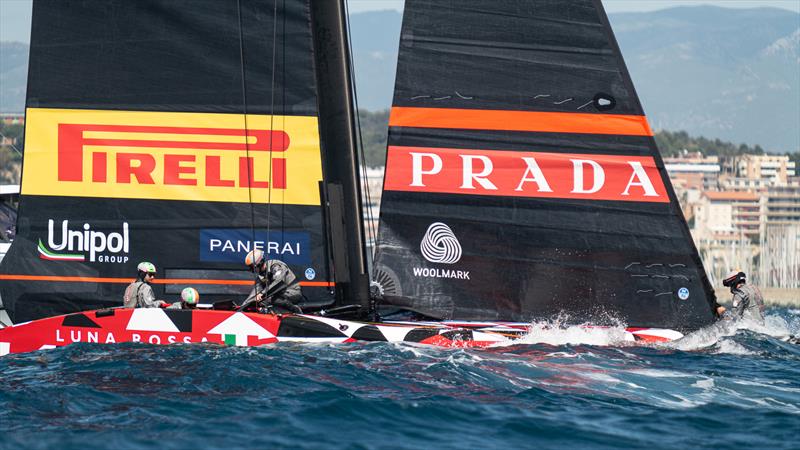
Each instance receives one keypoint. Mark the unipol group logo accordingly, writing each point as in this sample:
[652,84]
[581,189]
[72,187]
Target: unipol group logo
[65,243]
[173,156]
[439,245]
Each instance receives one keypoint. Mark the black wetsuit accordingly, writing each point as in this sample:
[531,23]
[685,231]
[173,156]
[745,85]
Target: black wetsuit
[278,274]
[748,303]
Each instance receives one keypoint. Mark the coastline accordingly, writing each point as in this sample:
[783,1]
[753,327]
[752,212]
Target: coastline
[781,296]
[772,297]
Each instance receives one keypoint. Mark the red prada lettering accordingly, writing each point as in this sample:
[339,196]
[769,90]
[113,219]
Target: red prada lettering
[174,169]
[524,174]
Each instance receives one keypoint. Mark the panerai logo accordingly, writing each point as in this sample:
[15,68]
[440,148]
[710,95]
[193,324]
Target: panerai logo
[440,245]
[65,244]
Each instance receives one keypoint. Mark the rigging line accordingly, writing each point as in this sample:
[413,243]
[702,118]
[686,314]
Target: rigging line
[372,234]
[282,104]
[246,131]
[271,121]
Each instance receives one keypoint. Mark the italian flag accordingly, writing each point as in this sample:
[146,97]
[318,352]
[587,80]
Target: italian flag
[47,254]
[234,339]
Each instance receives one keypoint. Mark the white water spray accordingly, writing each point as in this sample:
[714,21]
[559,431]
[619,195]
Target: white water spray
[560,332]
[718,334]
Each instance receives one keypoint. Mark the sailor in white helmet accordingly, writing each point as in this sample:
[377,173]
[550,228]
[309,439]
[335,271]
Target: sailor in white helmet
[139,294]
[747,300]
[189,299]
[276,284]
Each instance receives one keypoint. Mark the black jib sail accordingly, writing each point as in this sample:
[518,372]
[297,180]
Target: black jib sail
[182,132]
[522,178]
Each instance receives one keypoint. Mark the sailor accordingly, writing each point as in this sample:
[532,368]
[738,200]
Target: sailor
[276,284]
[747,300]
[139,294]
[189,299]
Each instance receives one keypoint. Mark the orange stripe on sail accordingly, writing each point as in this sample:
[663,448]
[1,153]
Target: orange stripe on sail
[58,278]
[19,277]
[533,121]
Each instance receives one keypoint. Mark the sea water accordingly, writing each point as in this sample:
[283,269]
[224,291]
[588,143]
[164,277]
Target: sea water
[730,386]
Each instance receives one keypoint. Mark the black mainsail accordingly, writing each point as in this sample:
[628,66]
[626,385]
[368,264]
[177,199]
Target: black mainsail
[182,132]
[522,178]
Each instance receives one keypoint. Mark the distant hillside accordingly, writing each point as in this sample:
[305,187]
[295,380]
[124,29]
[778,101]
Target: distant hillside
[732,74]
[727,73]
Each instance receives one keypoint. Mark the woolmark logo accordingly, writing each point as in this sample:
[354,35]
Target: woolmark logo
[65,244]
[439,245]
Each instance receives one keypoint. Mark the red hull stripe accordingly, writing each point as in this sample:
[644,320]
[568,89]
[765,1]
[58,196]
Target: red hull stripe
[533,121]
[20,277]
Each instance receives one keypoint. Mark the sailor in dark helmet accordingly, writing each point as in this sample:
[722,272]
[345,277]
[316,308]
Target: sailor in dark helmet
[747,300]
[139,294]
[189,299]
[276,284]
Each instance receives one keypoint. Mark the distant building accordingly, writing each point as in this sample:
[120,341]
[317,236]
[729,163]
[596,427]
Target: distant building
[726,228]
[732,183]
[766,167]
[7,141]
[782,205]
[10,119]
[728,213]
[755,225]
[694,171]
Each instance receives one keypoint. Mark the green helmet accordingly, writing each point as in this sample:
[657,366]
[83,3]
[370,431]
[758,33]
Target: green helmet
[146,267]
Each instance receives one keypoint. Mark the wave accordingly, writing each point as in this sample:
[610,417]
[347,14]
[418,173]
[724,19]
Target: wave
[561,385]
[718,336]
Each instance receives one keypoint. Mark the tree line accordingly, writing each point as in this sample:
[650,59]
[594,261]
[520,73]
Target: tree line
[10,155]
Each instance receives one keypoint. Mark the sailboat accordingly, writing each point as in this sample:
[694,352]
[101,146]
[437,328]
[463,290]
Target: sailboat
[522,179]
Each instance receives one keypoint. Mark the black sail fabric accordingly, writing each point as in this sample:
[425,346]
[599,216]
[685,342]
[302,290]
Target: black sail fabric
[181,132]
[522,178]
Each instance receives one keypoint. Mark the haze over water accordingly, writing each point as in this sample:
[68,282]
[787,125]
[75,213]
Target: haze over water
[718,388]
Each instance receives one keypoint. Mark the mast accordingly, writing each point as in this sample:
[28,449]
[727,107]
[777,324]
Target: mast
[338,138]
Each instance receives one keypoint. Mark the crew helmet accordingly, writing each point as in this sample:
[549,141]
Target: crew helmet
[254,258]
[190,296]
[734,278]
[146,267]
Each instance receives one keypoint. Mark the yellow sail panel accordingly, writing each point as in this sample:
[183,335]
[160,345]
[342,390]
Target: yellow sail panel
[172,156]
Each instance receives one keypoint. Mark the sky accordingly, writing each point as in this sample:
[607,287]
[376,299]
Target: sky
[15,15]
